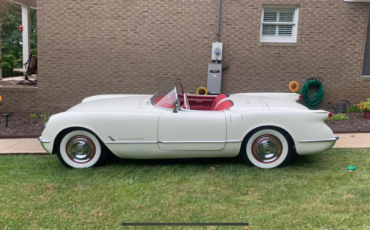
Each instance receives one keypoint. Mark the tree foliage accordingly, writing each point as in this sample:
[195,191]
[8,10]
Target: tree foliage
[2,9]
[11,45]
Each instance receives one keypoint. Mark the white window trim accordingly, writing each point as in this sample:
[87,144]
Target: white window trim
[295,25]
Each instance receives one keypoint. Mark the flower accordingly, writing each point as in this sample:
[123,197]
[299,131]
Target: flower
[1,98]
[364,106]
[293,86]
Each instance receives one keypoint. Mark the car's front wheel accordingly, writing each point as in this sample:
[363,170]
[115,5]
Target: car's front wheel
[267,148]
[81,149]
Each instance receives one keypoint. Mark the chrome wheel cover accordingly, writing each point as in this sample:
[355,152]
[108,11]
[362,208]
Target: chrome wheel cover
[80,149]
[267,148]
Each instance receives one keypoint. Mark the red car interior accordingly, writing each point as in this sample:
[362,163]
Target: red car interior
[224,105]
[198,102]
[217,100]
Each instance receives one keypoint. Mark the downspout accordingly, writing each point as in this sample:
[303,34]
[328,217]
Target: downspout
[218,20]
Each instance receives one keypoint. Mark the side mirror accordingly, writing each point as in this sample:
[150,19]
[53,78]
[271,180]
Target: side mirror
[176,109]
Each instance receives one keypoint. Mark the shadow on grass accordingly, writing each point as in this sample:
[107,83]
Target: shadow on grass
[177,161]
[296,161]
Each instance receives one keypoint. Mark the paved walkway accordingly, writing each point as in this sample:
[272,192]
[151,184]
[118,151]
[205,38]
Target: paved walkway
[32,145]
[21,146]
[353,141]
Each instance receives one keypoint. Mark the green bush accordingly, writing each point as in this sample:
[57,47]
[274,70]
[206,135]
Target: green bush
[353,109]
[46,116]
[338,117]
[35,115]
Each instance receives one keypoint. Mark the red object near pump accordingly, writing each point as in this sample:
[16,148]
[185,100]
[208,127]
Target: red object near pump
[367,115]
[20,28]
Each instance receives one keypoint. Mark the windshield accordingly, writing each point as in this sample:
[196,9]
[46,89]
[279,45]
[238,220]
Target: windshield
[165,98]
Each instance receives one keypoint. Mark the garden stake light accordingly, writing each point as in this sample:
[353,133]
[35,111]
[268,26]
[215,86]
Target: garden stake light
[6,116]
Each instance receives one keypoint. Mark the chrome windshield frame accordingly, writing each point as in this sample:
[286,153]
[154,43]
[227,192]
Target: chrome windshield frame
[176,96]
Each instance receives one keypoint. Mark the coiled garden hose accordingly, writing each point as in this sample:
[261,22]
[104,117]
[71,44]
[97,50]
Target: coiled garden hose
[313,100]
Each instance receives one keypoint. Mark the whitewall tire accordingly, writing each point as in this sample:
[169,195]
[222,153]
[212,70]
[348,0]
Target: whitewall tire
[267,148]
[80,149]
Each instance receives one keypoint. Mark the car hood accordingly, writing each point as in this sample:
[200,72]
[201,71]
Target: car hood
[110,104]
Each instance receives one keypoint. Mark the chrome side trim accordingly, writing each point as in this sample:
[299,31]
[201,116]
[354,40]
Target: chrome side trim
[111,138]
[233,141]
[335,138]
[169,142]
[187,142]
[130,142]
[43,141]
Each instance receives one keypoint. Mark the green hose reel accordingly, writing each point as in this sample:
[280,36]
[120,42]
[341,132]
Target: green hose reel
[313,100]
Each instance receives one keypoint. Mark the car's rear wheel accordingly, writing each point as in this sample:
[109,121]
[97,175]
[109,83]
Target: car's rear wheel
[267,148]
[81,149]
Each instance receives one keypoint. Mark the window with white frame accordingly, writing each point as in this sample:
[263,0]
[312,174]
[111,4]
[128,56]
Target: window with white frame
[279,24]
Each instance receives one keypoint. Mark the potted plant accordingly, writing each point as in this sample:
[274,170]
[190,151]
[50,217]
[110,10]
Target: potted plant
[364,106]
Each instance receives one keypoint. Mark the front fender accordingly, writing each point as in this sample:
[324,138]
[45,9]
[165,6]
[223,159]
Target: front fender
[60,122]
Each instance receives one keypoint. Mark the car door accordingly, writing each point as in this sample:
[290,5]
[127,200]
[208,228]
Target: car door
[192,130]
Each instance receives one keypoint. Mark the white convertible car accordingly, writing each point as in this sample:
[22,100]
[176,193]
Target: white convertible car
[264,128]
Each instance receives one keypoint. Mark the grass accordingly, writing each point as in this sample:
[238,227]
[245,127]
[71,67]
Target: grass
[315,192]
[338,117]
[353,109]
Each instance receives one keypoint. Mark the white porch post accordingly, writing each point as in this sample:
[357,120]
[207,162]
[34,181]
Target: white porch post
[26,33]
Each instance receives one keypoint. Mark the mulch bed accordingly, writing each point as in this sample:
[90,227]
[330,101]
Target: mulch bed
[355,124]
[21,126]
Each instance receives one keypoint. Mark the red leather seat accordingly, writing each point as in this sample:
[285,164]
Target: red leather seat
[217,100]
[197,107]
[224,105]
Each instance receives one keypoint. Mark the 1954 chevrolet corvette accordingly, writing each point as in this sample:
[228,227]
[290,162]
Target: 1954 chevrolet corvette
[264,128]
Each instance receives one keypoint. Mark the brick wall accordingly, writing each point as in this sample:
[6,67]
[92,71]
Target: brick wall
[91,47]
[19,100]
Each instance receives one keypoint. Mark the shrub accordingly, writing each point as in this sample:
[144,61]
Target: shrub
[338,117]
[353,109]
[46,116]
[364,106]
[34,116]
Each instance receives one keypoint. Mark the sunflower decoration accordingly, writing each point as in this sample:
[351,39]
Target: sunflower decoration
[202,91]
[293,86]
[1,100]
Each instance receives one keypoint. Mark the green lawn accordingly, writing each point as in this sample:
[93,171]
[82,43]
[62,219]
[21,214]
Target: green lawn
[315,192]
